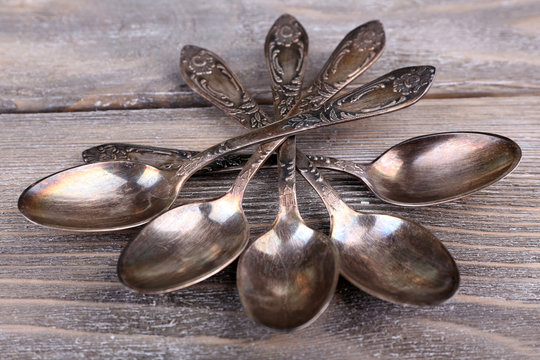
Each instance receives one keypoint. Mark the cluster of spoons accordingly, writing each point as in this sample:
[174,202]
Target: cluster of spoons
[287,277]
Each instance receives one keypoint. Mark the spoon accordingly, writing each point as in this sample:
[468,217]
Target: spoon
[287,277]
[433,168]
[389,257]
[122,194]
[178,248]
[173,251]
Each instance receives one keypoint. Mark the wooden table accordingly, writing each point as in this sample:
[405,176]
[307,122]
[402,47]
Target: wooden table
[75,74]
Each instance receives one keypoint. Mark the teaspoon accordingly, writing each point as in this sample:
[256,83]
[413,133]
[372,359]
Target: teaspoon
[287,277]
[122,194]
[424,170]
[389,257]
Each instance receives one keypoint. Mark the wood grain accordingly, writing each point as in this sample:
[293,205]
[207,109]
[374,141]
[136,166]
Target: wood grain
[60,298]
[65,55]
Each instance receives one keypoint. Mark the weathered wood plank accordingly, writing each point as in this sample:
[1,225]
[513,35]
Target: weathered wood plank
[77,55]
[60,298]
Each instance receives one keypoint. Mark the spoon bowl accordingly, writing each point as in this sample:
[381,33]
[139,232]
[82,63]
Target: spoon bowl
[394,259]
[93,196]
[440,167]
[287,277]
[185,245]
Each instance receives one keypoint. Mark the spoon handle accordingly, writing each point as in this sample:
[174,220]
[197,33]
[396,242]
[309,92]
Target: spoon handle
[207,74]
[358,50]
[327,193]
[393,91]
[166,158]
[159,157]
[287,67]
[285,49]
[287,178]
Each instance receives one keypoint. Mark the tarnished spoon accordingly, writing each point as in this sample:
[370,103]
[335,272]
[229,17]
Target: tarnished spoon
[191,242]
[122,194]
[287,277]
[178,249]
[425,170]
[434,168]
[389,257]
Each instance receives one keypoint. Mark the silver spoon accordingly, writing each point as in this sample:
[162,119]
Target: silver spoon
[121,194]
[287,277]
[389,257]
[433,168]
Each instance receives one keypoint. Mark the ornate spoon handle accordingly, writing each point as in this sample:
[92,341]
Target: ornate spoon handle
[207,74]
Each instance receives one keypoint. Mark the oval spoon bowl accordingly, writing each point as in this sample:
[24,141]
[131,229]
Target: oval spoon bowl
[299,276]
[394,259]
[88,198]
[184,246]
[436,168]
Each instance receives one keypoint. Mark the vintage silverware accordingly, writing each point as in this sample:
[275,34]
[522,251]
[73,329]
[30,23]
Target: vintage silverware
[287,277]
[389,257]
[122,194]
[141,264]
[167,255]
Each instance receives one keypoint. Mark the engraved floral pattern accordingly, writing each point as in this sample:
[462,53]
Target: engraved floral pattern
[411,83]
[202,64]
[288,35]
[367,40]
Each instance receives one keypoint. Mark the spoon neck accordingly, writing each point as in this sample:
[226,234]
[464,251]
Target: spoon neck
[287,176]
[329,196]
[338,165]
[253,164]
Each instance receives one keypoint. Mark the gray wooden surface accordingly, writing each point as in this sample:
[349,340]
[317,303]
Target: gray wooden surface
[59,295]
